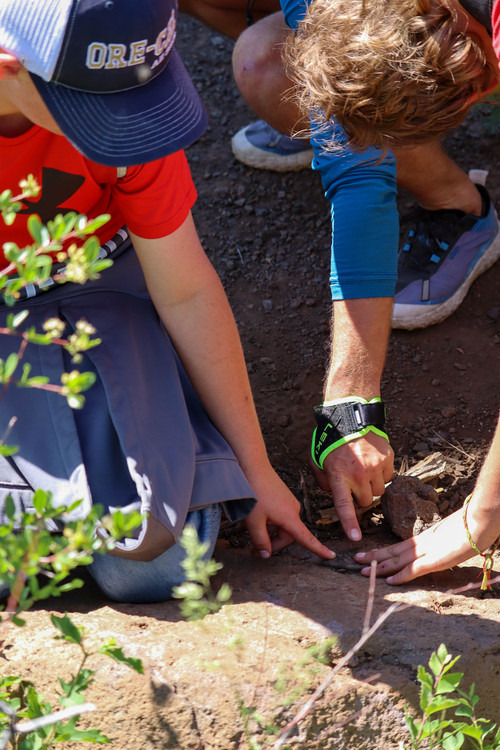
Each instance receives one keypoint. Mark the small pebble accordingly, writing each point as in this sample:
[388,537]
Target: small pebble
[449,411]
[421,446]
[284,420]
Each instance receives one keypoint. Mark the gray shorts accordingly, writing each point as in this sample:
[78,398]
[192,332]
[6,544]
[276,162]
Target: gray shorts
[142,441]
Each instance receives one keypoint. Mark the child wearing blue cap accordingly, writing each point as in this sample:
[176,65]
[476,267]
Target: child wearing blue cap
[96,104]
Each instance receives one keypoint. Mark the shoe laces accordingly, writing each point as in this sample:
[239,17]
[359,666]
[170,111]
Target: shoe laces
[430,235]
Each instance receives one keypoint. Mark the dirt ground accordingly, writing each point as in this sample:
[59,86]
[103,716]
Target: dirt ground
[268,236]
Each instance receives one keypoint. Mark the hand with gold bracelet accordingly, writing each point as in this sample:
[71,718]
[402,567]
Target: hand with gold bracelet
[472,530]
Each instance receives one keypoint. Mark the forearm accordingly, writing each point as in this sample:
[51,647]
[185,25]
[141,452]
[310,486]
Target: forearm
[360,334]
[193,307]
[483,512]
[205,337]
[447,543]
[191,303]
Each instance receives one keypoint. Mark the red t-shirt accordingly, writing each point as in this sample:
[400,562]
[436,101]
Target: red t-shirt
[153,199]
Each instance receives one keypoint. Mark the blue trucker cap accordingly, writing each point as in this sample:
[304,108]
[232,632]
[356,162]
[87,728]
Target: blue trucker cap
[109,74]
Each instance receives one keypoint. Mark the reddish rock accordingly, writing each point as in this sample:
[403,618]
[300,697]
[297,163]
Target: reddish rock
[409,506]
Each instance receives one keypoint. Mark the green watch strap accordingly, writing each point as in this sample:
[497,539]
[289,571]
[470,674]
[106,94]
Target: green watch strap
[344,420]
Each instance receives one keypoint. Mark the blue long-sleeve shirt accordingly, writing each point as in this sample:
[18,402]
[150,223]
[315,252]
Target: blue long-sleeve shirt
[361,189]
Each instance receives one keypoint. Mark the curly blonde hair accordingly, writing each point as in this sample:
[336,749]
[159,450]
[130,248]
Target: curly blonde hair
[394,73]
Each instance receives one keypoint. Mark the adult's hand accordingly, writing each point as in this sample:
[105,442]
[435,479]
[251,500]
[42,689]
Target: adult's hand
[355,473]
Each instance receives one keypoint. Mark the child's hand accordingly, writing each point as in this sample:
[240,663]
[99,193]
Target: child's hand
[446,544]
[438,548]
[275,522]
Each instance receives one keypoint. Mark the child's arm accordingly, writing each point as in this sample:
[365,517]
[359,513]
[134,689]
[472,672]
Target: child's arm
[192,304]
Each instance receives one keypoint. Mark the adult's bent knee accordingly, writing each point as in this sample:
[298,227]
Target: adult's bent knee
[257,63]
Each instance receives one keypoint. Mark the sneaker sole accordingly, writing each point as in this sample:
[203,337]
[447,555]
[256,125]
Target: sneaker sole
[421,316]
[258,158]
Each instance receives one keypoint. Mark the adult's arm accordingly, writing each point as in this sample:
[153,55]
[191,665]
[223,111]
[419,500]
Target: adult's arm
[191,303]
[359,468]
[361,188]
[446,544]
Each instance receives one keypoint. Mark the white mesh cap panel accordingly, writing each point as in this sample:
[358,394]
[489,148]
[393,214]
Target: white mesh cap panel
[33,30]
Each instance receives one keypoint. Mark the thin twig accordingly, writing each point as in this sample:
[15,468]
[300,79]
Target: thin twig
[25,727]
[16,592]
[26,336]
[309,704]
[8,430]
[470,586]
[455,447]
[342,722]
[371,596]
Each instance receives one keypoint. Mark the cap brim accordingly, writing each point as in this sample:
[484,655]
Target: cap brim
[129,127]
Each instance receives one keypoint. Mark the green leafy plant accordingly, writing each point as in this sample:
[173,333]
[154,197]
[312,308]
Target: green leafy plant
[294,681]
[69,238]
[60,238]
[198,599]
[23,701]
[448,722]
[35,562]
[196,594]
[440,694]
[30,552]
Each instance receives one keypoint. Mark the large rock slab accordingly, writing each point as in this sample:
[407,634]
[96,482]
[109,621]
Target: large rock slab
[196,673]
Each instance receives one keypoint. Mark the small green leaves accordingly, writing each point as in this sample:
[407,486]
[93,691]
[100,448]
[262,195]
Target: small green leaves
[197,597]
[15,320]
[69,630]
[73,384]
[439,695]
[34,562]
[114,652]
[38,231]
[60,239]
[453,741]
[120,525]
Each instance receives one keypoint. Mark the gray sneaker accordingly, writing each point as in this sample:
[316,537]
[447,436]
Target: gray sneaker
[260,146]
[441,254]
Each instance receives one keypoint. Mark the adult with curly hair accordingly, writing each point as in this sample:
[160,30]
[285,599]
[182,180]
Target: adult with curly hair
[407,73]
[456,222]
